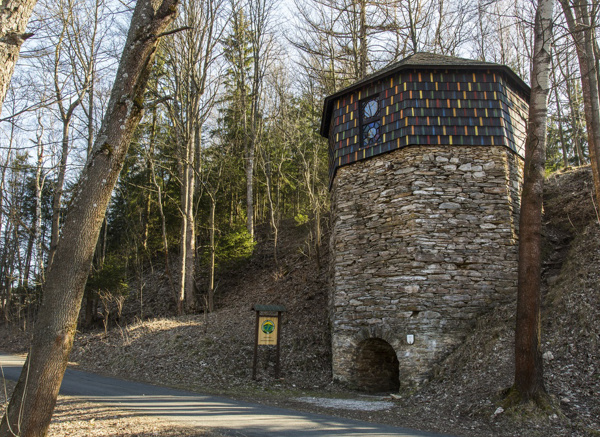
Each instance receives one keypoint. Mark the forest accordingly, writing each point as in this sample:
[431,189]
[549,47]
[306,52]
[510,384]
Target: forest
[228,135]
[229,139]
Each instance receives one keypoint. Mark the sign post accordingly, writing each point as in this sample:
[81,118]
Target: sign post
[267,333]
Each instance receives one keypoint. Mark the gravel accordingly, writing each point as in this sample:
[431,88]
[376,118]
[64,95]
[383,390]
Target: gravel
[347,404]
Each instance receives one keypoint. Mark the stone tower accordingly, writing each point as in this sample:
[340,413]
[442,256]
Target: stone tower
[426,161]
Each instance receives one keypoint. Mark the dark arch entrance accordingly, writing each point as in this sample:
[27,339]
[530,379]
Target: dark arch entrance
[377,367]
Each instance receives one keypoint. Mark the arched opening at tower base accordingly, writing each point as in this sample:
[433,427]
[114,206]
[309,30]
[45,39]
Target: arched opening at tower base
[376,367]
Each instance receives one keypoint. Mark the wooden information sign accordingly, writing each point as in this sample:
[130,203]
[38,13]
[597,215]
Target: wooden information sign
[268,332]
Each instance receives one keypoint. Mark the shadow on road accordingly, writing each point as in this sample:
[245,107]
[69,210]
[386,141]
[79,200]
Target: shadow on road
[231,417]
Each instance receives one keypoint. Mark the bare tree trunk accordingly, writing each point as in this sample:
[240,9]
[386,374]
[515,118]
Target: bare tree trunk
[159,201]
[183,235]
[36,221]
[28,257]
[39,185]
[90,115]
[5,270]
[317,219]
[66,115]
[575,123]
[190,234]
[561,135]
[250,188]
[58,191]
[3,266]
[596,51]
[231,209]
[211,282]
[146,212]
[14,15]
[574,115]
[362,36]
[582,29]
[16,249]
[316,207]
[163,221]
[529,382]
[259,13]
[412,29]
[190,59]
[212,189]
[266,166]
[437,39]
[187,244]
[34,397]
[481,42]
[3,183]
[250,148]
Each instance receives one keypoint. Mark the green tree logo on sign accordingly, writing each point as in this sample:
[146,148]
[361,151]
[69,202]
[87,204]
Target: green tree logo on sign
[268,327]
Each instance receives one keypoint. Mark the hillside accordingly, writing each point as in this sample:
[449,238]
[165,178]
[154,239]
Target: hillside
[213,352]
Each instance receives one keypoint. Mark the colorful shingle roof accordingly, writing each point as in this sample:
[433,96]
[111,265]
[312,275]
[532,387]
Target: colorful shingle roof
[421,60]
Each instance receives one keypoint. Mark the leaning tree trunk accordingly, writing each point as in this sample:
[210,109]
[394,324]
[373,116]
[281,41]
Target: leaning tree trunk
[14,15]
[34,397]
[529,382]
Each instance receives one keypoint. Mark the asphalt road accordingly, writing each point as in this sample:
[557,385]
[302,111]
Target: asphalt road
[231,417]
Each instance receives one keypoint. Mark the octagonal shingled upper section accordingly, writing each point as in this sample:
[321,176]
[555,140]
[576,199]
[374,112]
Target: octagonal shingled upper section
[426,61]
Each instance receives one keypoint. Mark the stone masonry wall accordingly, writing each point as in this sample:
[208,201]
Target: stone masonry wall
[424,240]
